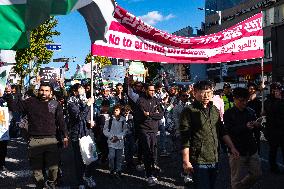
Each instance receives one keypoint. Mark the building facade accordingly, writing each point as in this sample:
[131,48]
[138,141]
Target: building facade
[273,20]
[221,5]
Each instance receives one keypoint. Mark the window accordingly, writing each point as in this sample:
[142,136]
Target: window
[268,17]
[267,50]
[281,13]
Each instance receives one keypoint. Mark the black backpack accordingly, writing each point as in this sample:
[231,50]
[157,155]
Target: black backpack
[110,124]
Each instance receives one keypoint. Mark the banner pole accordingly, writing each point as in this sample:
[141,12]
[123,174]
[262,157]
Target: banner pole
[262,86]
[92,88]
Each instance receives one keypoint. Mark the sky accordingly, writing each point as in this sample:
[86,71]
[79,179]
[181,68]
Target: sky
[166,15]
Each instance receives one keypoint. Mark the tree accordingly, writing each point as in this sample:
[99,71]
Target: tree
[37,50]
[104,61]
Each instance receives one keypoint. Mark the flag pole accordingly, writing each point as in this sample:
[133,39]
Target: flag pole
[92,88]
[262,85]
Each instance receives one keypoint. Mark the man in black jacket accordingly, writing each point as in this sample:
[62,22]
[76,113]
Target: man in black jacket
[45,118]
[274,131]
[148,116]
[240,123]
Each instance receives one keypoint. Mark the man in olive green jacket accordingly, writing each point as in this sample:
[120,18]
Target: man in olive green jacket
[200,129]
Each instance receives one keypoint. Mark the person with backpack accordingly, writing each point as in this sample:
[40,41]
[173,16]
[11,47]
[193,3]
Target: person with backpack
[100,138]
[129,139]
[115,130]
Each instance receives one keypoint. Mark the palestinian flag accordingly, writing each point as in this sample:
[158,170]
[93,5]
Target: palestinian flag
[18,17]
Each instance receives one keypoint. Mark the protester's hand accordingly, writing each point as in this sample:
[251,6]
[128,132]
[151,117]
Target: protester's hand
[146,113]
[235,152]
[65,142]
[90,101]
[187,167]
[114,139]
[61,83]
[92,123]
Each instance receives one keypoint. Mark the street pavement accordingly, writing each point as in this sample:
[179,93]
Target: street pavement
[20,176]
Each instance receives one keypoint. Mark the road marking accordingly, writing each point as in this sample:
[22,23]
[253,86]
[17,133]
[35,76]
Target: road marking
[16,174]
[162,183]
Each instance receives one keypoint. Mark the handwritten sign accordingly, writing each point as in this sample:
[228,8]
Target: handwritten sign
[114,73]
[50,74]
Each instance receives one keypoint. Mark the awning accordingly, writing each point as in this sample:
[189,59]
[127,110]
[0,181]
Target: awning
[252,70]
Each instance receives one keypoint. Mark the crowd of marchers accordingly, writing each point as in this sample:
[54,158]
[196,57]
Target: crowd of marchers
[132,121]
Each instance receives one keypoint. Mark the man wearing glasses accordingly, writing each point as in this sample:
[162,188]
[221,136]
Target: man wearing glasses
[200,128]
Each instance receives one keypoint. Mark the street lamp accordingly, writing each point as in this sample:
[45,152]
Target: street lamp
[220,23]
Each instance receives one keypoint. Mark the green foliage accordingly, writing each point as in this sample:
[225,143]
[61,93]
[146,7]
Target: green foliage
[38,38]
[88,58]
[104,61]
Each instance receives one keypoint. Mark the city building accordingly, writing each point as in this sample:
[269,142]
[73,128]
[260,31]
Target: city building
[221,5]
[234,12]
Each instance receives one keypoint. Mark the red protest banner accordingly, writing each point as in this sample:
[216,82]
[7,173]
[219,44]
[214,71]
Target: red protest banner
[129,37]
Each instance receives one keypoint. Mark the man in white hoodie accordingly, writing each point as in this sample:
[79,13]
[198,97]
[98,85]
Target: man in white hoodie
[115,130]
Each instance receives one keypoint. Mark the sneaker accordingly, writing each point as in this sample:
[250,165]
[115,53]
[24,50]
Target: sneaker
[82,186]
[118,175]
[152,181]
[140,167]
[4,169]
[157,168]
[49,185]
[90,182]
[112,174]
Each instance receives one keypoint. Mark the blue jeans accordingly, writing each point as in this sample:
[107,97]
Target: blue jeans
[205,175]
[115,159]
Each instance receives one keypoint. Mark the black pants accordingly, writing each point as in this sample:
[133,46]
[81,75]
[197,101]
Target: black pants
[275,141]
[78,161]
[80,167]
[101,142]
[3,152]
[148,144]
[43,153]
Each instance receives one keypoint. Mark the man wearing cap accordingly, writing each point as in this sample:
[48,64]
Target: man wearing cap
[106,95]
[228,97]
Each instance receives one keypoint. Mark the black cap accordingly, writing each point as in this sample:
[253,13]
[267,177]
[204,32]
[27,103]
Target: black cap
[159,85]
[275,85]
